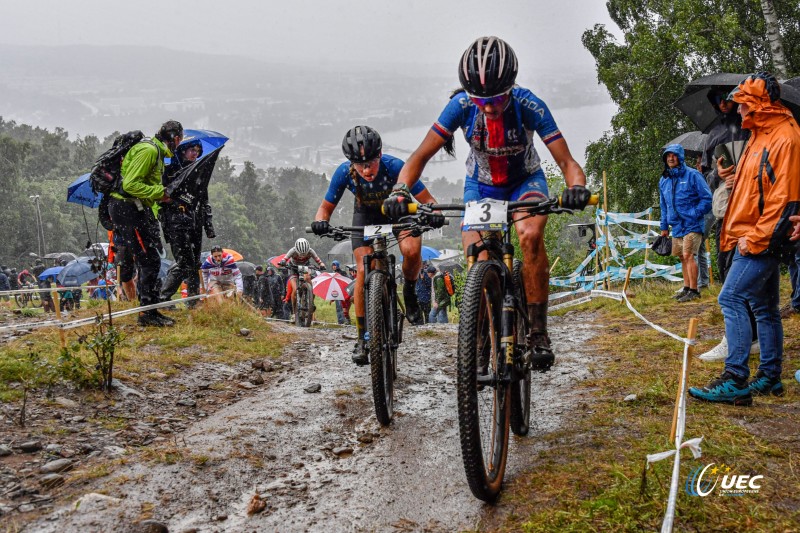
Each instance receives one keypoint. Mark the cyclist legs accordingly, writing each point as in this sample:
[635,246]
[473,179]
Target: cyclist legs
[359,353]
[411,248]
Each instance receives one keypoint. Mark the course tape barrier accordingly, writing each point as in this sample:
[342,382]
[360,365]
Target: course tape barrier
[103,317]
[51,289]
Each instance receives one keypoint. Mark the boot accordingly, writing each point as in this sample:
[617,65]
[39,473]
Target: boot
[413,312]
[148,318]
[165,320]
[542,356]
[360,352]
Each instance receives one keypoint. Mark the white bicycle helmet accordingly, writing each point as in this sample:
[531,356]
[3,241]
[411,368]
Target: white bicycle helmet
[302,246]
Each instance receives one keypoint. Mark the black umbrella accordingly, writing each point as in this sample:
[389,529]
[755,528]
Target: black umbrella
[693,142]
[247,268]
[694,102]
[193,180]
[790,96]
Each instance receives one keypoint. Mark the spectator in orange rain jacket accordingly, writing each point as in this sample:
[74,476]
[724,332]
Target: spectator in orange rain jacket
[757,228]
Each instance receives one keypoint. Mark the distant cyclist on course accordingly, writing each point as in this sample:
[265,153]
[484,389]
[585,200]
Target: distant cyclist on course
[499,119]
[301,254]
[370,175]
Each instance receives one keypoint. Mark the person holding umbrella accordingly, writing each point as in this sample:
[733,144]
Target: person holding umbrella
[183,224]
[763,206]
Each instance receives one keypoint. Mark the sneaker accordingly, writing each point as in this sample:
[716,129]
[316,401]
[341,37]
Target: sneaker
[787,311]
[725,389]
[717,353]
[413,312]
[755,349]
[689,295]
[680,292]
[360,353]
[542,356]
[764,386]
[147,318]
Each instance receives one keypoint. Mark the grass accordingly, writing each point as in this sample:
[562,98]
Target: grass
[590,476]
[209,333]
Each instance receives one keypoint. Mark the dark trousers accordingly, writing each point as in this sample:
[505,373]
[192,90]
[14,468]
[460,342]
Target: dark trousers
[426,310]
[137,230]
[186,250]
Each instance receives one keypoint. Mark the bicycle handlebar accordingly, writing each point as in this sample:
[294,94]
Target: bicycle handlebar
[414,208]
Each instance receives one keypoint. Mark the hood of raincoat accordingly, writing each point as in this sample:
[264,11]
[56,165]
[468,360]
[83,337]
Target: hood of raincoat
[676,149]
[763,113]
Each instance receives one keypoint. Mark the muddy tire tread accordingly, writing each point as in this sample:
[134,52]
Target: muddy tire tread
[520,424]
[375,323]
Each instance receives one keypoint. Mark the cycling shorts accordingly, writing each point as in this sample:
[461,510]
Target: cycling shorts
[367,218]
[531,188]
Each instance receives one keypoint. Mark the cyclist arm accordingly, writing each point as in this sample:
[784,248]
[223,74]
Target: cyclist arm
[316,258]
[415,164]
[325,210]
[573,173]
[425,197]
[237,279]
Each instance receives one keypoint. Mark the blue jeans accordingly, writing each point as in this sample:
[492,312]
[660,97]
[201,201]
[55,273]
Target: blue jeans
[752,280]
[439,315]
[794,275]
[340,313]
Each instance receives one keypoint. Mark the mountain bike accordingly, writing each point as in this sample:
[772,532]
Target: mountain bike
[384,312]
[303,298]
[494,361]
[28,298]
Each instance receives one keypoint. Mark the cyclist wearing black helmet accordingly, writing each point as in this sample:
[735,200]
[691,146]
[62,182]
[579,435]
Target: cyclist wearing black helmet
[370,175]
[499,120]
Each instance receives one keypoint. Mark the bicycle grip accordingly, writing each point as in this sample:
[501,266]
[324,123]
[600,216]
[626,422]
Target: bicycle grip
[412,209]
[593,200]
[309,230]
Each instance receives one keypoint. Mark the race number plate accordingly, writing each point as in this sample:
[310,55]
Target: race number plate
[486,215]
[370,232]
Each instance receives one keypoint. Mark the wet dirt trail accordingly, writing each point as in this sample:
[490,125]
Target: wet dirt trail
[320,460]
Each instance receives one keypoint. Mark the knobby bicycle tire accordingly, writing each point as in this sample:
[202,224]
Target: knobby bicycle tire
[36,299]
[521,390]
[483,415]
[381,353]
[309,305]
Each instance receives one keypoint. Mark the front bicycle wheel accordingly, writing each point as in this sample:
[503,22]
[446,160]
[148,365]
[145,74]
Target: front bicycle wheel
[382,353]
[483,400]
[308,303]
[35,298]
[521,388]
[22,300]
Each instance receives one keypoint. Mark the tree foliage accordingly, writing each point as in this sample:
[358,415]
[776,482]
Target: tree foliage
[665,45]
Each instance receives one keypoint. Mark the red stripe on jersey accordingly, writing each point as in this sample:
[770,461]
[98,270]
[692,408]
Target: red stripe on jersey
[496,138]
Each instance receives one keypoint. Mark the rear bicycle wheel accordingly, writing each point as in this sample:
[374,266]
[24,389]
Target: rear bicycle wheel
[521,389]
[484,404]
[382,354]
[35,299]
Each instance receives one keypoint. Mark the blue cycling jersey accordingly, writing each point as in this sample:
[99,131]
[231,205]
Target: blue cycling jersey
[374,192]
[501,150]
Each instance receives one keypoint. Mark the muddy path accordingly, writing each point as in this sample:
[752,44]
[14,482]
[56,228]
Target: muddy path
[319,460]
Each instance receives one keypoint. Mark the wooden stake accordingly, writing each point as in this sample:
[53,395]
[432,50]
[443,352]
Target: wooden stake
[62,339]
[690,335]
[627,281]
[554,264]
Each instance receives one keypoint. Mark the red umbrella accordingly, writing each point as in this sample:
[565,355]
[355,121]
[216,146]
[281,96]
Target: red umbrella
[277,259]
[330,286]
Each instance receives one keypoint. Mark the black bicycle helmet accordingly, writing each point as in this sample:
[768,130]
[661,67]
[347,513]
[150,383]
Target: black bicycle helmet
[488,67]
[361,138]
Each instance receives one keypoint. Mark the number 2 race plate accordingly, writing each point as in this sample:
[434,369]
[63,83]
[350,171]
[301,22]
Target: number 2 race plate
[486,215]
[370,232]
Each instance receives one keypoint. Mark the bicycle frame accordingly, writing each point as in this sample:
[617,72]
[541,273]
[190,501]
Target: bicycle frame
[384,262]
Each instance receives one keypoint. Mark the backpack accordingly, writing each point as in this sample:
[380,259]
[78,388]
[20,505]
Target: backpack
[106,175]
[449,283]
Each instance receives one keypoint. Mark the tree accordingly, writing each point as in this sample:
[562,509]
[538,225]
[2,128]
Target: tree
[666,45]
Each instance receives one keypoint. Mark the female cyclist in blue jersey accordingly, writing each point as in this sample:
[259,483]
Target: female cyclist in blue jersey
[370,175]
[498,120]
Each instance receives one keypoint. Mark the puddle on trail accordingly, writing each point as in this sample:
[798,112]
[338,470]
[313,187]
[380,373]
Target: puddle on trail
[320,460]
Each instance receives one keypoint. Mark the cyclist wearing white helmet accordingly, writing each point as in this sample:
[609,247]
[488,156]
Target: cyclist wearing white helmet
[499,119]
[301,254]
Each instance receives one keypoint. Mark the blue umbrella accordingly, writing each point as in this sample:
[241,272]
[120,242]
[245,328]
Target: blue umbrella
[77,272]
[428,253]
[80,192]
[210,140]
[51,272]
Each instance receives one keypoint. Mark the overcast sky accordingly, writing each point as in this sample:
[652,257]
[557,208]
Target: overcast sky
[544,34]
